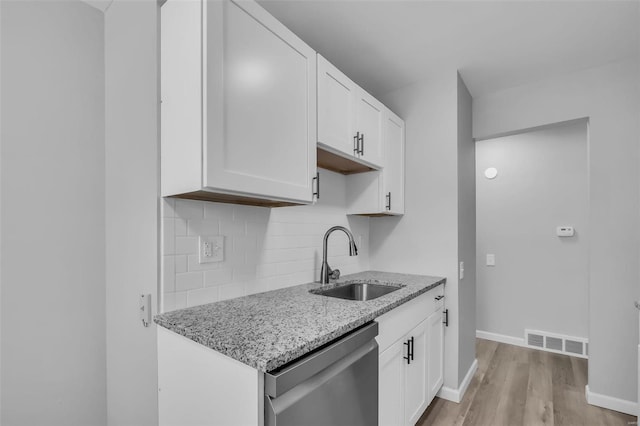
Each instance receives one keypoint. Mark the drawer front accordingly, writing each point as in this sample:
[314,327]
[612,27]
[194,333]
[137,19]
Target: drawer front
[399,321]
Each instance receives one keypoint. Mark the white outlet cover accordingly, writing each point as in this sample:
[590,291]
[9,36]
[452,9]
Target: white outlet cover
[211,248]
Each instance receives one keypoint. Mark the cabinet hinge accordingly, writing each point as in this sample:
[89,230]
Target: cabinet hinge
[316,192]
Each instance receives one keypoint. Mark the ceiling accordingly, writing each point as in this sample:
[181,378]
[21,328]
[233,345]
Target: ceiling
[101,5]
[387,44]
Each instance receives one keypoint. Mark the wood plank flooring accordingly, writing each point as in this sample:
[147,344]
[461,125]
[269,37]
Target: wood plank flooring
[519,386]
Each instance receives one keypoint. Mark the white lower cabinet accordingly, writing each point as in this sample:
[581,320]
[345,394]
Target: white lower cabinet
[391,385]
[435,353]
[411,359]
[416,397]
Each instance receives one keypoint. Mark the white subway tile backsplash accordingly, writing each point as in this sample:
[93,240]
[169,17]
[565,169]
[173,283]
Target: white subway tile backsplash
[251,214]
[202,296]
[218,276]
[186,245]
[173,301]
[181,264]
[168,239]
[244,272]
[232,227]
[266,270]
[189,281]
[265,249]
[280,281]
[217,211]
[180,227]
[255,228]
[168,301]
[203,227]
[169,273]
[167,207]
[230,291]
[194,265]
[187,209]
[244,243]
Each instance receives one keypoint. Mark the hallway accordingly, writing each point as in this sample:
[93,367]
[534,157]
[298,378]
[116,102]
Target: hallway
[519,386]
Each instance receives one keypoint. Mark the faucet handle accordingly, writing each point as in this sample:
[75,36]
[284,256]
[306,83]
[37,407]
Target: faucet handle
[335,274]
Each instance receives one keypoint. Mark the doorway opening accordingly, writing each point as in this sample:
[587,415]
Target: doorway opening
[532,206]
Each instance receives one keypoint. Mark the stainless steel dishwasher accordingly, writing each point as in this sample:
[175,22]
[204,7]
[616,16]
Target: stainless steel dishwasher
[332,386]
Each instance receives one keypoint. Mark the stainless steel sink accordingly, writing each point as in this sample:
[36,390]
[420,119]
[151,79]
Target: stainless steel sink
[357,291]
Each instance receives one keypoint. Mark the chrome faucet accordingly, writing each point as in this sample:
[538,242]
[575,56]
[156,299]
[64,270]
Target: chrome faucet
[326,272]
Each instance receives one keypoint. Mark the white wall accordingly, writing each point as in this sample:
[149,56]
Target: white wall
[466,232]
[265,249]
[425,239]
[540,280]
[132,208]
[52,197]
[609,96]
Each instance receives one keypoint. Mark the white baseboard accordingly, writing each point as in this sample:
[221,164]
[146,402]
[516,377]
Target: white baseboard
[611,403]
[456,395]
[510,340]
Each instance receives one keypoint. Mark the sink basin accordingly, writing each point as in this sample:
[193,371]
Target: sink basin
[357,291]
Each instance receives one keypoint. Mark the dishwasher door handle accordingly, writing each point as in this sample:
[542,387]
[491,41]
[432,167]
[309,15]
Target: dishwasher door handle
[343,394]
[279,381]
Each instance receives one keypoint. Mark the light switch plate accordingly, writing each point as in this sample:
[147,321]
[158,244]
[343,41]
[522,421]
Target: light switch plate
[491,260]
[564,231]
[211,248]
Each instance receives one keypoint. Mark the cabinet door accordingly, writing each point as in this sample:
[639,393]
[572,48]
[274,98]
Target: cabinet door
[416,390]
[391,386]
[393,173]
[336,109]
[369,122]
[436,353]
[259,105]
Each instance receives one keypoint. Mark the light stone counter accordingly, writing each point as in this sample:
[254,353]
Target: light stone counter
[268,330]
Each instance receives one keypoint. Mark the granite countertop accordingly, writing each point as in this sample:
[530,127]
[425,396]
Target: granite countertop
[268,330]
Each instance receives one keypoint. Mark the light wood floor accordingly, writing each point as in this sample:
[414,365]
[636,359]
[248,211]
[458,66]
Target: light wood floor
[518,386]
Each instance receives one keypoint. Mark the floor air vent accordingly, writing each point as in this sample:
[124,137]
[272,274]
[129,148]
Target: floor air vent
[568,345]
[574,347]
[536,340]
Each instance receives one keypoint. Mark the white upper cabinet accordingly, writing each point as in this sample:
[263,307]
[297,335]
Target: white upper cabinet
[393,173]
[369,128]
[350,121]
[378,193]
[336,109]
[238,105]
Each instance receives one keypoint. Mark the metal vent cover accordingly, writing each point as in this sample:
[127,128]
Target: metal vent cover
[553,343]
[558,343]
[535,340]
[573,346]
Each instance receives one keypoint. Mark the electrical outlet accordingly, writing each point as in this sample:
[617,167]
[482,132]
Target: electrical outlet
[461,270]
[211,248]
